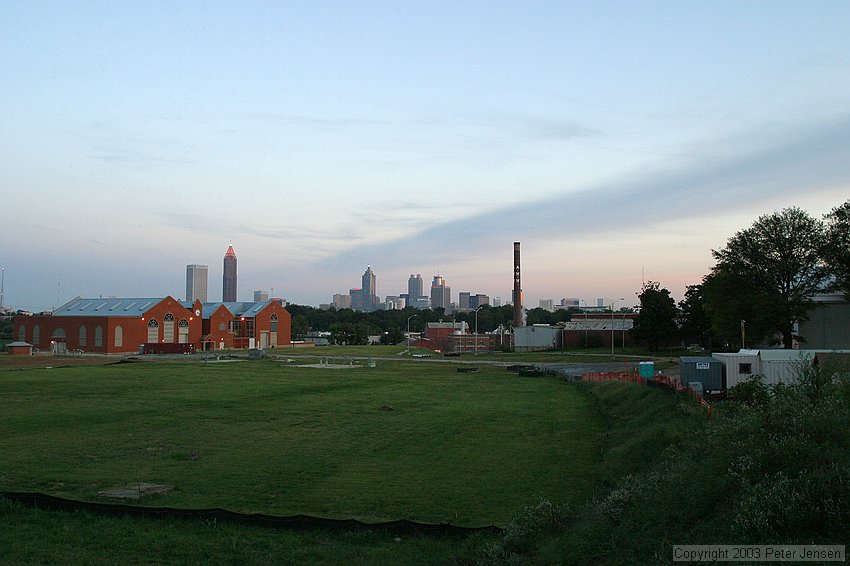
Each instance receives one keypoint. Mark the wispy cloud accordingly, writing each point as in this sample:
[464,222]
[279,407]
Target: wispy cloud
[803,159]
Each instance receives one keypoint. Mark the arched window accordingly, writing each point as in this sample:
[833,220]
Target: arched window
[183,332]
[153,331]
[119,337]
[82,340]
[168,328]
[22,333]
[98,336]
[36,335]
[273,330]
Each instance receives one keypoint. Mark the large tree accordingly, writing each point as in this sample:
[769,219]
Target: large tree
[740,313]
[656,323]
[836,247]
[695,324]
[778,261]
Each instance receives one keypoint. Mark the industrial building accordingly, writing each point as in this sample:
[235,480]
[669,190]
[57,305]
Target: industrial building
[154,325]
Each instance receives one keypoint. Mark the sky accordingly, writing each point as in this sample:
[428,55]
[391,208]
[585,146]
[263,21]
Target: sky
[619,142]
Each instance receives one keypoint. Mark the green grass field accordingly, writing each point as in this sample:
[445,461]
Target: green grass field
[406,439]
[414,440]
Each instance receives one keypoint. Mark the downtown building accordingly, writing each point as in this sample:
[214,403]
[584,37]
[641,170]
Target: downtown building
[228,283]
[416,296]
[197,277]
[441,294]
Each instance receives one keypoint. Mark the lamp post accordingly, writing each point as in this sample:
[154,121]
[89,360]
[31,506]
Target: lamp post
[612,324]
[407,338]
[475,338]
[585,321]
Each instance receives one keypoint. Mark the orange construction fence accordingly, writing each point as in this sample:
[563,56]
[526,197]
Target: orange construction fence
[663,380]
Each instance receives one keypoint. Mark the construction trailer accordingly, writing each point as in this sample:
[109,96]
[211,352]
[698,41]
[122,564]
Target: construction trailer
[705,370]
[777,366]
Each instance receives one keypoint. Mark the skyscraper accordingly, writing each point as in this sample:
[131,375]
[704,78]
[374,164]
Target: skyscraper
[196,282]
[228,287]
[414,286]
[441,294]
[370,296]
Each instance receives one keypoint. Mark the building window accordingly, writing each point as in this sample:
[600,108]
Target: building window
[82,335]
[183,332]
[153,331]
[36,335]
[22,333]
[249,328]
[119,337]
[168,328]
[273,323]
[98,336]
[745,369]
[222,327]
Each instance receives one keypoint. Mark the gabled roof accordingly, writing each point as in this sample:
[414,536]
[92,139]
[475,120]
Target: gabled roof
[246,309]
[111,306]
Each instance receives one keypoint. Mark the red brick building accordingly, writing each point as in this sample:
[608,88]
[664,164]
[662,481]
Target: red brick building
[266,324]
[152,325]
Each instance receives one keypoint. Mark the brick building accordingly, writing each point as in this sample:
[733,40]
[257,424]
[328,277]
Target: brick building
[265,324]
[152,325]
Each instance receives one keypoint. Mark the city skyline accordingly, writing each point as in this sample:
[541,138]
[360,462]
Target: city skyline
[618,143]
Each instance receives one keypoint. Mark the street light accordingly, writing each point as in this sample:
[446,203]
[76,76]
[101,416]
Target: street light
[612,324]
[407,338]
[475,338]
[585,321]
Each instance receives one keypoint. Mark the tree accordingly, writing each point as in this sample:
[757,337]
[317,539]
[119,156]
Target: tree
[348,334]
[733,304]
[300,326]
[778,258]
[656,323]
[836,247]
[392,336]
[695,325]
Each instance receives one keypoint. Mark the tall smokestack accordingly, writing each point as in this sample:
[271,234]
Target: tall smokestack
[517,296]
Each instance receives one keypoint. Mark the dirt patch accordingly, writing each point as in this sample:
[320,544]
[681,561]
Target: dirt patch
[135,491]
[8,362]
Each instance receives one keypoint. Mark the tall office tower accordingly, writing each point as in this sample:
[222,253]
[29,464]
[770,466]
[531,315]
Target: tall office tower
[478,300]
[517,295]
[441,294]
[196,283]
[463,300]
[261,296]
[370,296]
[228,287]
[414,286]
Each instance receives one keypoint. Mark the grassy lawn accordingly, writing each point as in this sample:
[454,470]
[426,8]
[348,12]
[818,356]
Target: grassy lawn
[402,440]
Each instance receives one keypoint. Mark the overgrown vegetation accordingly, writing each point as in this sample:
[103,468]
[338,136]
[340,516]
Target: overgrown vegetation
[772,467]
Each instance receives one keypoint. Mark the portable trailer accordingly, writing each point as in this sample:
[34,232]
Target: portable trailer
[705,370]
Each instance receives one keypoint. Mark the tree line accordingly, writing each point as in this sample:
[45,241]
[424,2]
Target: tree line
[354,327]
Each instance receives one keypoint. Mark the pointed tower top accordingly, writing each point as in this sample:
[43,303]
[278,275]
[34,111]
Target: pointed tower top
[230,252]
